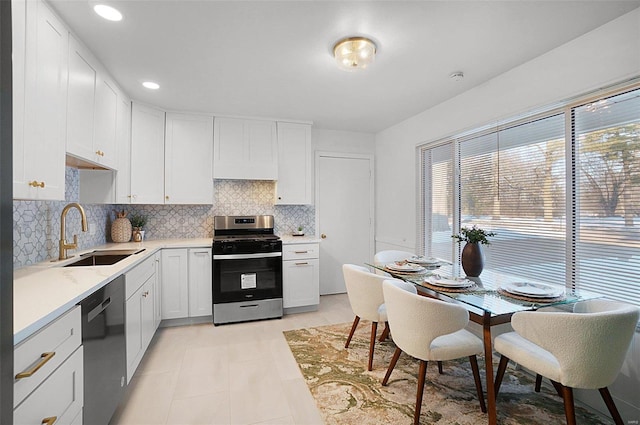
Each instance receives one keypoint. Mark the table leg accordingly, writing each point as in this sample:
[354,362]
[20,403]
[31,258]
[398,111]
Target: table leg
[488,365]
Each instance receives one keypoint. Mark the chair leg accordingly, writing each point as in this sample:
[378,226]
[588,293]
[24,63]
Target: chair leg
[421,378]
[538,382]
[440,367]
[502,367]
[372,342]
[476,376]
[558,388]
[606,396]
[394,360]
[353,329]
[385,332]
[569,407]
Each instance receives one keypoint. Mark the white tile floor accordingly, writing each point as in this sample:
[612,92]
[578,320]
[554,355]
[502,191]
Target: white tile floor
[232,374]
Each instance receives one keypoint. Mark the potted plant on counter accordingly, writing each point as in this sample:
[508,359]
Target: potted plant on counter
[138,221]
[472,255]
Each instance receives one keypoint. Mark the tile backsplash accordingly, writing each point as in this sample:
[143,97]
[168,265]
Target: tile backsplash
[36,224]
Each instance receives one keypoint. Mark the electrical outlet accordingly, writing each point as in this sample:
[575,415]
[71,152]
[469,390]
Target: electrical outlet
[92,229]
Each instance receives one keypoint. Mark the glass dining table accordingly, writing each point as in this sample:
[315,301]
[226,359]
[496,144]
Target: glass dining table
[488,303]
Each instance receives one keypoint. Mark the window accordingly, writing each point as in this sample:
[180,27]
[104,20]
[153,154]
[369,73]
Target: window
[563,199]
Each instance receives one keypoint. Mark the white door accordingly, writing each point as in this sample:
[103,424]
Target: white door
[344,215]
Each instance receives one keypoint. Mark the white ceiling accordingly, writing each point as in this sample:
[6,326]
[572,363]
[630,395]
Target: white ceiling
[273,58]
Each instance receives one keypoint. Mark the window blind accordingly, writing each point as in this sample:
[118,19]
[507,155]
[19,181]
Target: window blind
[512,182]
[606,163]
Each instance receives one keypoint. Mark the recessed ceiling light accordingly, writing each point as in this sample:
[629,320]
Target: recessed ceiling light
[108,12]
[151,85]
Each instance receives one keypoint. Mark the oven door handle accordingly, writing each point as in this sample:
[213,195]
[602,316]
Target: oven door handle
[246,256]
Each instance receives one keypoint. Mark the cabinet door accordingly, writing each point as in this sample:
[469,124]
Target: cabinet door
[157,299]
[123,150]
[188,159]
[80,101]
[105,123]
[300,283]
[147,155]
[229,147]
[175,290]
[133,331]
[294,164]
[148,312]
[200,299]
[262,149]
[60,395]
[39,145]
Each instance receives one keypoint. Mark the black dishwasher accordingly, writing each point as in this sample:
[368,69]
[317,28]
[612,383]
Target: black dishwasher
[105,361]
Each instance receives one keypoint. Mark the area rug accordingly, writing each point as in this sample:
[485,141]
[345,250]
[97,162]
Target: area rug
[346,393]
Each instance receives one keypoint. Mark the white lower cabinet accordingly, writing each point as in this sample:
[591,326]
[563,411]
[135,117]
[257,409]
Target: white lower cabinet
[186,283]
[140,311]
[48,370]
[300,275]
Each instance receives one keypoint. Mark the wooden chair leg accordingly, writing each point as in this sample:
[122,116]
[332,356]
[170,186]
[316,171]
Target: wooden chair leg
[394,360]
[353,329]
[440,367]
[569,407]
[502,367]
[421,378]
[385,332]
[372,343]
[606,396]
[538,382]
[558,388]
[476,377]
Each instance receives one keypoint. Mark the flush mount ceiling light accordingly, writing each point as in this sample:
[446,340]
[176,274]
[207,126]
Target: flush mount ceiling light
[107,12]
[151,85]
[354,53]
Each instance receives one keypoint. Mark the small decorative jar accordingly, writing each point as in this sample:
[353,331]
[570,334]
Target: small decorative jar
[121,228]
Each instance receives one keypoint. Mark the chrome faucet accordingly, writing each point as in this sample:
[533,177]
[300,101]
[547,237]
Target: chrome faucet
[64,246]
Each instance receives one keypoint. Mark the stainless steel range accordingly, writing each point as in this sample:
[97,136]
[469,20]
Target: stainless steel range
[247,269]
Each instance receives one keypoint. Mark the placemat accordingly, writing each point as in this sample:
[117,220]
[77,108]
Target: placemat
[447,289]
[531,299]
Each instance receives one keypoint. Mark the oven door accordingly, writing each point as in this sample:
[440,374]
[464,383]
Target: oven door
[247,277]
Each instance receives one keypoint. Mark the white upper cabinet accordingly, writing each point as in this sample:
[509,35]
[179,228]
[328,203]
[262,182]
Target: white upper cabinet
[294,164]
[40,48]
[147,155]
[245,149]
[91,109]
[188,159]
[123,151]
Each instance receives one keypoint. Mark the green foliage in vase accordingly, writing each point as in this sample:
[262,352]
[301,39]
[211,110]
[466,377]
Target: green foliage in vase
[474,235]
[138,220]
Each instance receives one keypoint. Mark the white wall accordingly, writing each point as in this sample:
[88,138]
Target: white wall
[607,55]
[342,141]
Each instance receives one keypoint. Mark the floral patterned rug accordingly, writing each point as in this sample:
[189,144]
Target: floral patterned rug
[347,393]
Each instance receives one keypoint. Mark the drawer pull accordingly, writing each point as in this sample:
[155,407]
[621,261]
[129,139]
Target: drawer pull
[50,420]
[302,264]
[300,252]
[45,357]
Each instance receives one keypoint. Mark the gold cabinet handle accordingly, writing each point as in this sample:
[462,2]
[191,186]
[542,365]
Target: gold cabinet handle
[166,197]
[50,420]
[99,153]
[323,236]
[35,183]
[44,357]
[302,264]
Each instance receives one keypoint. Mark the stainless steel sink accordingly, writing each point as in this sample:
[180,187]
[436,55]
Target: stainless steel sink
[103,258]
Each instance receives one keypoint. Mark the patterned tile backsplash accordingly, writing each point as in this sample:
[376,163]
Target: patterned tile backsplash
[36,224]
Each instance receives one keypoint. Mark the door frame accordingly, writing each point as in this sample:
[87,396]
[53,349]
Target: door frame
[345,155]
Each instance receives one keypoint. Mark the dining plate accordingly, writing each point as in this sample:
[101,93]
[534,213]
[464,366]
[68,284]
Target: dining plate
[450,282]
[534,290]
[424,261]
[405,267]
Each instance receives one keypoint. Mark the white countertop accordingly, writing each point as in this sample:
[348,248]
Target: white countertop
[44,291]
[289,239]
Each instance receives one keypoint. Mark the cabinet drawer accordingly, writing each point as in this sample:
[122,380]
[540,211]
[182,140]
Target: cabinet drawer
[137,276]
[300,251]
[60,337]
[60,396]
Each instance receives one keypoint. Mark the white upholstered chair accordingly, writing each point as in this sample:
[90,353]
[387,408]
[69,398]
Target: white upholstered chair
[584,349]
[389,256]
[429,330]
[364,290]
